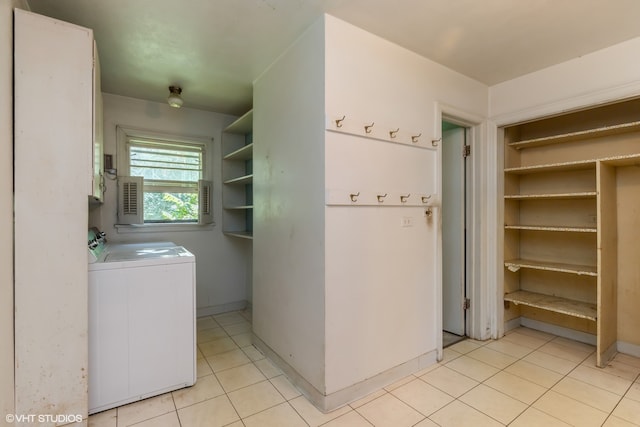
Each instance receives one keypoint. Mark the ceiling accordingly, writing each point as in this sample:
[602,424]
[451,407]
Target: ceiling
[214,49]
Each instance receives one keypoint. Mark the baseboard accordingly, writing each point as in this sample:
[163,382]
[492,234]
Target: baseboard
[329,402]
[221,308]
[628,348]
[560,331]
[512,324]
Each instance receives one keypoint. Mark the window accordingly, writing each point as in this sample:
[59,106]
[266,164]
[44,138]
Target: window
[172,170]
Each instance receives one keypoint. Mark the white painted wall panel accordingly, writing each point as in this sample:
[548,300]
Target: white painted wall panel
[344,293]
[603,76]
[289,247]
[382,278]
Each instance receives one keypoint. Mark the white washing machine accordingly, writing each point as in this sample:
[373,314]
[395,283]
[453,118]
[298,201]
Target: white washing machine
[142,333]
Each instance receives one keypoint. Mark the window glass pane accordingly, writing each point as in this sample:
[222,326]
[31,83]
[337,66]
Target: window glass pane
[171,171]
[170,207]
[159,164]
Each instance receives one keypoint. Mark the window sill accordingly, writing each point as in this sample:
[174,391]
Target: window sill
[161,228]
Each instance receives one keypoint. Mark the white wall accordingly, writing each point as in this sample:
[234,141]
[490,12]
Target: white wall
[382,279]
[344,294]
[222,270]
[288,165]
[603,76]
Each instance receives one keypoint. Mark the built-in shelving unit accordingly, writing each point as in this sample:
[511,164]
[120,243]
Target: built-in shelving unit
[237,176]
[565,179]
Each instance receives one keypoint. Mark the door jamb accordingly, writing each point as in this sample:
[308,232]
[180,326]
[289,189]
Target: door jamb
[482,235]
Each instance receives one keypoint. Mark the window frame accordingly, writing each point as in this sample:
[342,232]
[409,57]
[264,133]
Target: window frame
[125,133]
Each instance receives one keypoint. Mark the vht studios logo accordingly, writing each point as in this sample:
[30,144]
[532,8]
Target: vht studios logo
[43,418]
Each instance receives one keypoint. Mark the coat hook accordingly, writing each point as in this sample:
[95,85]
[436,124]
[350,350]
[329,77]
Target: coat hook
[339,121]
[414,138]
[381,197]
[392,133]
[434,142]
[403,199]
[428,212]
[367,128]
[354,196]
[425,199]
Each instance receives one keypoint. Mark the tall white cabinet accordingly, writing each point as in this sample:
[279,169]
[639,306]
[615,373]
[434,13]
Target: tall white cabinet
[54,134]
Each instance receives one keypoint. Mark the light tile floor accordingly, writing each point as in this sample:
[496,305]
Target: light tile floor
[528,378]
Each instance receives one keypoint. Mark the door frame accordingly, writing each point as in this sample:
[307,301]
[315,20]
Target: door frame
[465,225]
[482,316]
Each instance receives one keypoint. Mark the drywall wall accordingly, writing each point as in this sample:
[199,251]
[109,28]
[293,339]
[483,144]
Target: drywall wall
[603,76]
[328,278]
[288,218]
[222,269]
[377,269]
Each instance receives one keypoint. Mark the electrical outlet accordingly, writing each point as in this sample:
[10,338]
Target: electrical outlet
[407,221]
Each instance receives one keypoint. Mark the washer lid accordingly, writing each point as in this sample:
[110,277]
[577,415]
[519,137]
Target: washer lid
[146,253]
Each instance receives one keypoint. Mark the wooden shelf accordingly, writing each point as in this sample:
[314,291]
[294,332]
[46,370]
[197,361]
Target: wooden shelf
[559,196]
[240,234]
[565,166]
[243,153]
[555,304]
[552,228]
[624,160]
[577,136]
[241,180]
[242,125]
[586,270]
[237,197]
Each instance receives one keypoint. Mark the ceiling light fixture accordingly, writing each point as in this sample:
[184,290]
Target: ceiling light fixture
[174,99]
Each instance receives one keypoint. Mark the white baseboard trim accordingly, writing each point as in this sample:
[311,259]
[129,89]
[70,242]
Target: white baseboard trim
[329,402]
[221,308]
[628,348]
[560,331]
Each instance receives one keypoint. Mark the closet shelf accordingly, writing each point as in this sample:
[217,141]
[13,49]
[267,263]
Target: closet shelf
[244,207]
[586,270]
[243,125]
[623,160]
[552,228]
[558,196]
[240,234]
[577,136]
[555,304]
[241,180]
[243,153]
[564,166]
